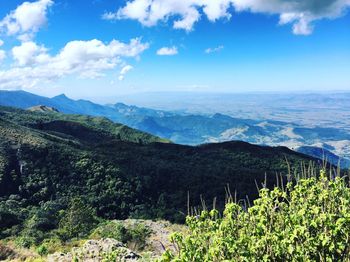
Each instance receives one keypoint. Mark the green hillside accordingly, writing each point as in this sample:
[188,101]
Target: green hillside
[46,159]
[101,126]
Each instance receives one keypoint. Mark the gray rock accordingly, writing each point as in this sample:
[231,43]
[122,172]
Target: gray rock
[97,250]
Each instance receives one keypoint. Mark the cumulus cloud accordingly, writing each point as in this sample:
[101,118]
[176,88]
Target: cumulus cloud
[29,53]
[1,43]
[300,13]
[26,19]
[124,71]
[88,59]
[214,50]
[167,51]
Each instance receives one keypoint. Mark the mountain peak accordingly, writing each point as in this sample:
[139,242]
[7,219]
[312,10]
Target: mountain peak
[120,105]
[221,116]
[61,96]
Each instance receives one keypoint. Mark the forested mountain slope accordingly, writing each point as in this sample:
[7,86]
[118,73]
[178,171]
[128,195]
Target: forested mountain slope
[120,172]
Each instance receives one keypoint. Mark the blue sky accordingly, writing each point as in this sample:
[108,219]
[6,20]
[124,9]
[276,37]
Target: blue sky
[236,46]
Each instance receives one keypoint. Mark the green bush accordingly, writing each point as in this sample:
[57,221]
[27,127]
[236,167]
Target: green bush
[42,250]
[24,241]
[134,235]
[138,236]
[113,229]
[53,244]
[308,221]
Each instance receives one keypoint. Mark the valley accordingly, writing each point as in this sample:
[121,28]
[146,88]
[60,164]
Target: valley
[191,126]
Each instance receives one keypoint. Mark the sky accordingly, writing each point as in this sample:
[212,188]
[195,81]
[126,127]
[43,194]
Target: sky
[102,48]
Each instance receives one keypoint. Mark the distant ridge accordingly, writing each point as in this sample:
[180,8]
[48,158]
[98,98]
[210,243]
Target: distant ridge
[195,129]
[324,154]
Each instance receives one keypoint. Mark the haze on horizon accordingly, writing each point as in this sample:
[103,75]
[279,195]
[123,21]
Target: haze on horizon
[109,48]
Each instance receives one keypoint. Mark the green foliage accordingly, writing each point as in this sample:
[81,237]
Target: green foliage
[42,250]
[309,221]
[113,229]
[89,127]
[134,235]
[53,244]
[25,241]
[8,216]
[77,221]
[138,236]
[113,256]
[38,225]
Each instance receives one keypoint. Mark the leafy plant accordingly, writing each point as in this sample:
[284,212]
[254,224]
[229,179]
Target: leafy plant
[42,250]
[308,221]
[113,229]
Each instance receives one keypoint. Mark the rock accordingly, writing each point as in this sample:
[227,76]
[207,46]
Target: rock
[97,250]
[42,109]
[5,252]
[60,257]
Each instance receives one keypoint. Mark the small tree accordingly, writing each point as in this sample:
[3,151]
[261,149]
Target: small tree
[77,220]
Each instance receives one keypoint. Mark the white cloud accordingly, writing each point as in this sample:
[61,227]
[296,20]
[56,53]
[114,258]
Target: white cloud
[109,16]
[87,59]
[2,52]
[2,55]
[301,23]
[214,50]
[29,53]
[167,51]
[124,71]
[26,19]
[300,13]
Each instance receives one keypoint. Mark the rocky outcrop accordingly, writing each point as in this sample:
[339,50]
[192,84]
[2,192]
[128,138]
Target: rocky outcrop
[97,250]
[5,252]
[42,108]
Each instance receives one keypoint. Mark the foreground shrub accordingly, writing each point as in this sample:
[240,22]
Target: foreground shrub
[308,221]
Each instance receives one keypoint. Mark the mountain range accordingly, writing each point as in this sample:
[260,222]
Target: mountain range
[195,129]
